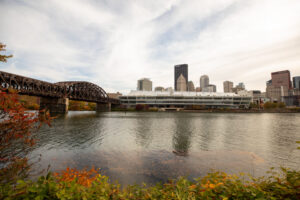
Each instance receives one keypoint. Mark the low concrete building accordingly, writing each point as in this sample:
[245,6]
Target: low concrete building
[257,96]
[183,99]
[210,88]
[291,100]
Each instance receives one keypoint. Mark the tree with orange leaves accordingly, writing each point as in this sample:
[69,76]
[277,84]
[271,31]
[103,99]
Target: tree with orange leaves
[3,58]
[16,126]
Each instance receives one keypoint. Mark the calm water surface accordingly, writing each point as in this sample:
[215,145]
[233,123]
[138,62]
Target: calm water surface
[139,147]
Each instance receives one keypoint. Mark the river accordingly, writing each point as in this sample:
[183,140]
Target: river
[150,147]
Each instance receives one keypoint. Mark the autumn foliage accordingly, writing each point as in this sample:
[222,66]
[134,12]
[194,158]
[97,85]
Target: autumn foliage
[81,106]
[82,177]
[16,127]
[82,184]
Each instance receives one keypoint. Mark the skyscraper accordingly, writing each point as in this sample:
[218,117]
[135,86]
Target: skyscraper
[279,85]
[191,86]
[241,85]
[296,82]
[144,84]
[227,85]
[281,78]
[204,81]
[178,70]
[181,83]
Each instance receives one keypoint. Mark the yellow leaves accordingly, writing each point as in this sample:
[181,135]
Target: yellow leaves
[172,194]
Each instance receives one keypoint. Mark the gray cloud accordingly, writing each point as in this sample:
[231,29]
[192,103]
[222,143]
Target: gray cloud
[114,43]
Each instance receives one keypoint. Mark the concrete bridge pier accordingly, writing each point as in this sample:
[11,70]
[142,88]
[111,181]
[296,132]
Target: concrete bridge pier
[101,107]
[54,105]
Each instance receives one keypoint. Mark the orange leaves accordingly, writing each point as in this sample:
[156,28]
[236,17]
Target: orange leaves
[83,177]
[192,187]
[15,122]
[16,126]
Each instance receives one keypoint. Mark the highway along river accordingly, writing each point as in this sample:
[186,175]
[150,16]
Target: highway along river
[150,147]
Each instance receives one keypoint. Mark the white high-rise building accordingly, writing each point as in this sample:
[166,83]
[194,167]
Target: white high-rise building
[144,84]
[227,85]
[204,81]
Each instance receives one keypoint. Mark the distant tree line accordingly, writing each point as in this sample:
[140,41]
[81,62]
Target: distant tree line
[81,105]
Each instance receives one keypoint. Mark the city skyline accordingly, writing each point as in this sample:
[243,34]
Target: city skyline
[111,41]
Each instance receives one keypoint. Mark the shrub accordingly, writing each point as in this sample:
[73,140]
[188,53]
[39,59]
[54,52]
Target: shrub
[253,106]
[82,184]
[81,105]
[270,105]
[296,109]
[141,107]
[92,106]
[281,105]
[153,109]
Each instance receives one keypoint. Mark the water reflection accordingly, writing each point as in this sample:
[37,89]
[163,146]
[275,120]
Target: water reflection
[72,131]
[182,135]
[138,147]
[143,131]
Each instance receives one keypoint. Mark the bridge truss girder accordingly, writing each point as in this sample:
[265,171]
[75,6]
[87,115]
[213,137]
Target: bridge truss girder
[74,90]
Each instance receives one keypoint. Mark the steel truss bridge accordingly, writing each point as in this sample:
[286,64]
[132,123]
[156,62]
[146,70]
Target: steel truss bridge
[74,90]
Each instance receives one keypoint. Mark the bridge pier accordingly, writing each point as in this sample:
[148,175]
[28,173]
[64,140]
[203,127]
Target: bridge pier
[103,107]
[54,105]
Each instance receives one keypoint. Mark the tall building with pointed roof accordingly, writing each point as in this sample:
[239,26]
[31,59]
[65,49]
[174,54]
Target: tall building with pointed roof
[181,83]
[178,70]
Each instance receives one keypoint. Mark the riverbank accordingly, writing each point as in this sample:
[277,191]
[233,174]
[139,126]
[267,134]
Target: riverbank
[277,110]
[245,111]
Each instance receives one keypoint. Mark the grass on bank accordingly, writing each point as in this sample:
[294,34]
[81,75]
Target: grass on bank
[76,184]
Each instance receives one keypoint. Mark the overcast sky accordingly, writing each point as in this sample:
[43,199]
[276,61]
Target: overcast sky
[113,43]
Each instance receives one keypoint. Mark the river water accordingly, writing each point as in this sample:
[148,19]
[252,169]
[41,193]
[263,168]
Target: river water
[150,147]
